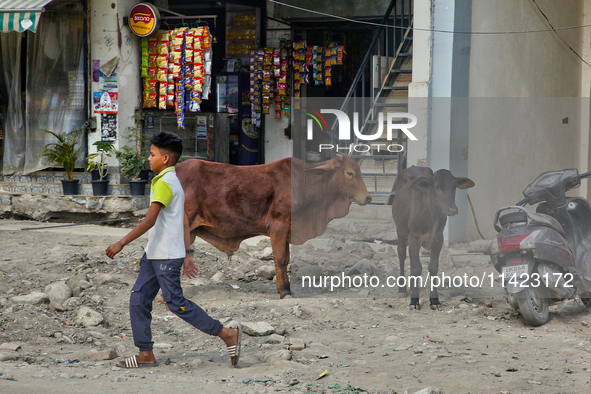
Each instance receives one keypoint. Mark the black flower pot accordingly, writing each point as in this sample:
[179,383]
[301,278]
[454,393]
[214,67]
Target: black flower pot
[94,175]
[70,187]
[144,175]
[137,188]
[99,188]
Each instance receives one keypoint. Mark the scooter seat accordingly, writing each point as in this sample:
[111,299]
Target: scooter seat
[540,219]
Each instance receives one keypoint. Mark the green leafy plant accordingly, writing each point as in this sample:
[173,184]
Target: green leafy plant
[135,134]
[104,150]
[64,152]
[132,162]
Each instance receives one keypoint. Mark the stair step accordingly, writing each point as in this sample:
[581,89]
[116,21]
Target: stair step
[405,54]
[402,71]
[385,140]
[395,88]
[393,105]
[385,121]
[376,157]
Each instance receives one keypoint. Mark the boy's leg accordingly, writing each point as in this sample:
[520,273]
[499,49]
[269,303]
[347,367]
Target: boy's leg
[168,273]
[140,307]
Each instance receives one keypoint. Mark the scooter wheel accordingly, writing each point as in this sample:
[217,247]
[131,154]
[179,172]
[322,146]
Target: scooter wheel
[533,306]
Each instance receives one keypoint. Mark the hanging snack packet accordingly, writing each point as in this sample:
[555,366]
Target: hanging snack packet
[152,45]
[153,60]
[188,81]
[150,85]
[152,100]
[152,72]
[163,88]
[198,43]
[198,70]
[198,84]
[170,99]
[206,41]
[162,102]
[340,53]
[189,38]
[163,48]
[198,56]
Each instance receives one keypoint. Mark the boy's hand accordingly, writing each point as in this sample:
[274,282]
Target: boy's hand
[114,249]
[189,267]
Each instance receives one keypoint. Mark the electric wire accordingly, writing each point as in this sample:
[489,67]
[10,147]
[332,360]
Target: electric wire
[430,30]
[558,35]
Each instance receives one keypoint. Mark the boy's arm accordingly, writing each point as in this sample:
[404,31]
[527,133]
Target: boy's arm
[146,224]
[189,267]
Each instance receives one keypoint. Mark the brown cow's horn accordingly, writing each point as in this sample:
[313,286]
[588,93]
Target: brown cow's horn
[339,157]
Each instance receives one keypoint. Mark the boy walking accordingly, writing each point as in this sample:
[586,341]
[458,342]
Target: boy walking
[166,253]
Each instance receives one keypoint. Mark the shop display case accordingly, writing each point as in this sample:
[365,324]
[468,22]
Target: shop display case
[231,91]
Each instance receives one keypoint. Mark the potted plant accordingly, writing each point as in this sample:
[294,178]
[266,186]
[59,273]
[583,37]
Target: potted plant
[97,161]
[132,162]
[137,137]
[64,153]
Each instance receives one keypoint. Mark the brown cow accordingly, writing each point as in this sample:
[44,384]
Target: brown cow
[287,200]
[421,205]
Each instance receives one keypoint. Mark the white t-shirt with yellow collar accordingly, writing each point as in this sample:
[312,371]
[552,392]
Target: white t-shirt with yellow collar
[166,240]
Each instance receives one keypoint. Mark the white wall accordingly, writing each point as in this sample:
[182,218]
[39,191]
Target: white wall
[521,87]
[104,46]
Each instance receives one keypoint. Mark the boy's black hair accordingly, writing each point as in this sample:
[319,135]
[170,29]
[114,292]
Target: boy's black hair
[170,142]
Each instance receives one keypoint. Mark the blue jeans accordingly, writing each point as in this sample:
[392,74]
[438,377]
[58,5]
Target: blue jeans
[166,275]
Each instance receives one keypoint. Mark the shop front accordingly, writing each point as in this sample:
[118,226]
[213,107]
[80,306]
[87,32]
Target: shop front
[43,47]
[195,79]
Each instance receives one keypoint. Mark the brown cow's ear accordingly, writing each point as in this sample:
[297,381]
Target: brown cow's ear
[464,183]
[329,165]
[422,183]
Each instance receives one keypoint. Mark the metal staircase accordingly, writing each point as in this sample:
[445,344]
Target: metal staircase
[381,86]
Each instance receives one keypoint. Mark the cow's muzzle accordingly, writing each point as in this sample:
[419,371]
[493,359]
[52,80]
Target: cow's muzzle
[451,211]
[363,200]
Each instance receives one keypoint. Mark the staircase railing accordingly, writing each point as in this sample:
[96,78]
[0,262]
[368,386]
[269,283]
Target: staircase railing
[396,25]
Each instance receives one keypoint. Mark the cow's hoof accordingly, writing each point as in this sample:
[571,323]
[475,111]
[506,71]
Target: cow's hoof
[435,304]
[414,304]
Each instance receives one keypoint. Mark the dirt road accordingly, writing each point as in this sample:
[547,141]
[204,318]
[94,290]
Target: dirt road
[365,338]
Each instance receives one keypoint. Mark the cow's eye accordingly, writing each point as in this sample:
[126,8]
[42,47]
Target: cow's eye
[350,173]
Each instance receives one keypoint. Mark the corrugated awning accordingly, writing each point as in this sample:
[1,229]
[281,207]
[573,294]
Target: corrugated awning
[20,15]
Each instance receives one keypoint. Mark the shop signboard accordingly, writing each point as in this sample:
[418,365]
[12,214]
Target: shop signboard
[143,19]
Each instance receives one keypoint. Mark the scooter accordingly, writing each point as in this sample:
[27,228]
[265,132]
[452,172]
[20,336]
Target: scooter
[545,257]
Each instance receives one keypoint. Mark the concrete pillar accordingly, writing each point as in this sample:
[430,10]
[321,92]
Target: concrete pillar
[448,123]
[108,39]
